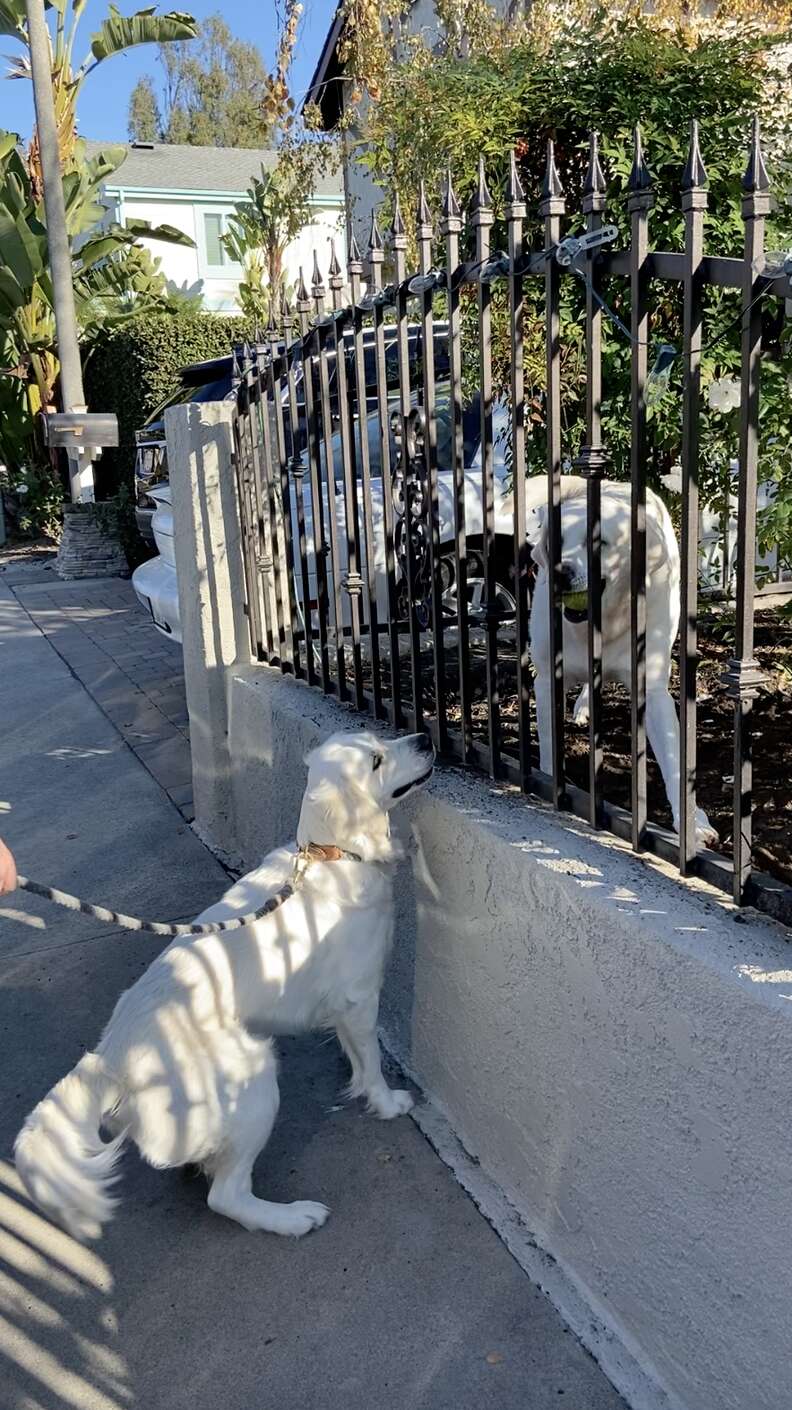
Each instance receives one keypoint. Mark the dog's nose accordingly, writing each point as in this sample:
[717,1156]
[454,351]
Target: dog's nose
[567,574]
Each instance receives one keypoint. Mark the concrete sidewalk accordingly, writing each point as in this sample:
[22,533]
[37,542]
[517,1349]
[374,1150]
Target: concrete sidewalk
[405,1299]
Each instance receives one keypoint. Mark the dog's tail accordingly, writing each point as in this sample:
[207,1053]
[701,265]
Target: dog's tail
[65,1166]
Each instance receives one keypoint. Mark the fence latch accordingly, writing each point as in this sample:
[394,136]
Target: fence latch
[569,251]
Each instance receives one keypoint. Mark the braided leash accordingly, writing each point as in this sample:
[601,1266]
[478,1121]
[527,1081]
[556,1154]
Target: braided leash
[311,852]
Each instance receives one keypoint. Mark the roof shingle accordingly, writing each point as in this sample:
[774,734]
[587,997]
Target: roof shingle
[166,166]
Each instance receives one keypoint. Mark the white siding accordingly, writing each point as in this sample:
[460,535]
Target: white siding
[186,266]
[178,262]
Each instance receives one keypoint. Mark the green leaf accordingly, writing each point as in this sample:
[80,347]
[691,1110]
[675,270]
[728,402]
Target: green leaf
[120,32]
[12,295]
[167,233]
[13,18]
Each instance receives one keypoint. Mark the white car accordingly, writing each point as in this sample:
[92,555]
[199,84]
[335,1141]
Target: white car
[155,581]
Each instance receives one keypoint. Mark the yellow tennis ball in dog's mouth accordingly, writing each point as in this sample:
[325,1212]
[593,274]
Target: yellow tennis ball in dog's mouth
[576,601]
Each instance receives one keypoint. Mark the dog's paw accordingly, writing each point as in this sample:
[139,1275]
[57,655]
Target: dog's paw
[580,714]
[301,1217]
[706,835]
[389,1104]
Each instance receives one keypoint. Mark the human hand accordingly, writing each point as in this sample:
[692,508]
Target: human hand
[8,873]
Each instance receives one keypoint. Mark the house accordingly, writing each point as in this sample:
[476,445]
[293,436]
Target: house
[196,189]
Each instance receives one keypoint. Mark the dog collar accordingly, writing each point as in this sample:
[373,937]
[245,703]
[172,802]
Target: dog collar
[326,852]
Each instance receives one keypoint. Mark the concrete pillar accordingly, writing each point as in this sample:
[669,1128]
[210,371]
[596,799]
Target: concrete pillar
[207,539]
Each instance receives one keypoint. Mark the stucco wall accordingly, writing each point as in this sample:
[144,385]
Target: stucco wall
[613,1048]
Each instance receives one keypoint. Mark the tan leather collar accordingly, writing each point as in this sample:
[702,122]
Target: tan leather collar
[326,852]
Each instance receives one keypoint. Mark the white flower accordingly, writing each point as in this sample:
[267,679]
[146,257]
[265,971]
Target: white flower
[22,488]
[724,394]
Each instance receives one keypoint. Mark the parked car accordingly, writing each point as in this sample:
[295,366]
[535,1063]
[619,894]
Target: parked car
[201,381]
[216,380]
[160,584]
[155,580]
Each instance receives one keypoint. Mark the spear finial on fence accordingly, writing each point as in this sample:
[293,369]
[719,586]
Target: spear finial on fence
[398,233]
[317,282]
[375,237]
[551,188]
[423,215]
[302,296]
[594,184]
[756,178]
[285,310]
[451,207]
[482,200]
[515,193]
[640,180]
[694,177]
[354,256]
[334,270]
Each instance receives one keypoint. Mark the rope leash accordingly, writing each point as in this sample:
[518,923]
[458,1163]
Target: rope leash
[311,852]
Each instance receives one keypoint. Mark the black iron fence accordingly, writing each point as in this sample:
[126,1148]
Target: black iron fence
[394,559]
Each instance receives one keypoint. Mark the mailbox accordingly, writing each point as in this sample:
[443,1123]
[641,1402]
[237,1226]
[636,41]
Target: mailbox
[70,429]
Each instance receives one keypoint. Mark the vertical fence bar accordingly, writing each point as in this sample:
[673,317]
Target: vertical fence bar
[249,528]
[352,581]
[264,481]
[744,676]
[355,269]
[399,246]
[638,204]
[315,473]
[591,463]
[296,471]
[694,204]
[275,391]
[261,562]
[424,235]
[376,256]
[515,215]
[450,228]
[481,219]
[551,208]
[328,478]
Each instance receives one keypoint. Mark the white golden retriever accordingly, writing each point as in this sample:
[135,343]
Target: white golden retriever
[186,1067]
[662,619]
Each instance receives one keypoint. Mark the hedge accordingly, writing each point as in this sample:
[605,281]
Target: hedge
[133,369]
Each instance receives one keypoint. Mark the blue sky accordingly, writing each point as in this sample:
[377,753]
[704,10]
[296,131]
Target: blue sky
[102,110]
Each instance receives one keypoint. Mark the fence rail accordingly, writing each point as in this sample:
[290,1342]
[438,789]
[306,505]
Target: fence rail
[393,556]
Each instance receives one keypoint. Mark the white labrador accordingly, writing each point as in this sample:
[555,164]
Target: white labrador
[179,1069]
[662,619]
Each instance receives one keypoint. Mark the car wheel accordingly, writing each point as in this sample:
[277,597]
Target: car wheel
[505,605]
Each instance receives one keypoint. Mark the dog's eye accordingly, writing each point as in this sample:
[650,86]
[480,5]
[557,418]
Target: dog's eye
[375,763]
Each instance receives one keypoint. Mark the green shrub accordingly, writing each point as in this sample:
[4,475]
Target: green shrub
[515,89]
[134,368]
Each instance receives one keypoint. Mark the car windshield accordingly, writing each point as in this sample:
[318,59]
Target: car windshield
[471,435]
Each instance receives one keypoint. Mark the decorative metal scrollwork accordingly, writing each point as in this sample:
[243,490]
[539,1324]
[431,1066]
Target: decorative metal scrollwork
[411,500]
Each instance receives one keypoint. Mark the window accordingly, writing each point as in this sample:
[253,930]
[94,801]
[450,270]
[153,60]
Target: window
[215,261]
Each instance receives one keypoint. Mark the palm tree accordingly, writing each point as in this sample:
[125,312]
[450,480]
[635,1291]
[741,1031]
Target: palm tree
[116,34]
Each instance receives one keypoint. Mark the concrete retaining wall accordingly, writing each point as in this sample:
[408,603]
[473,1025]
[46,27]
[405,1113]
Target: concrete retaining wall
[612,1049]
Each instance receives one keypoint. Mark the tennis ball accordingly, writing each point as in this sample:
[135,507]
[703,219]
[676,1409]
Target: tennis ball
[575,601]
